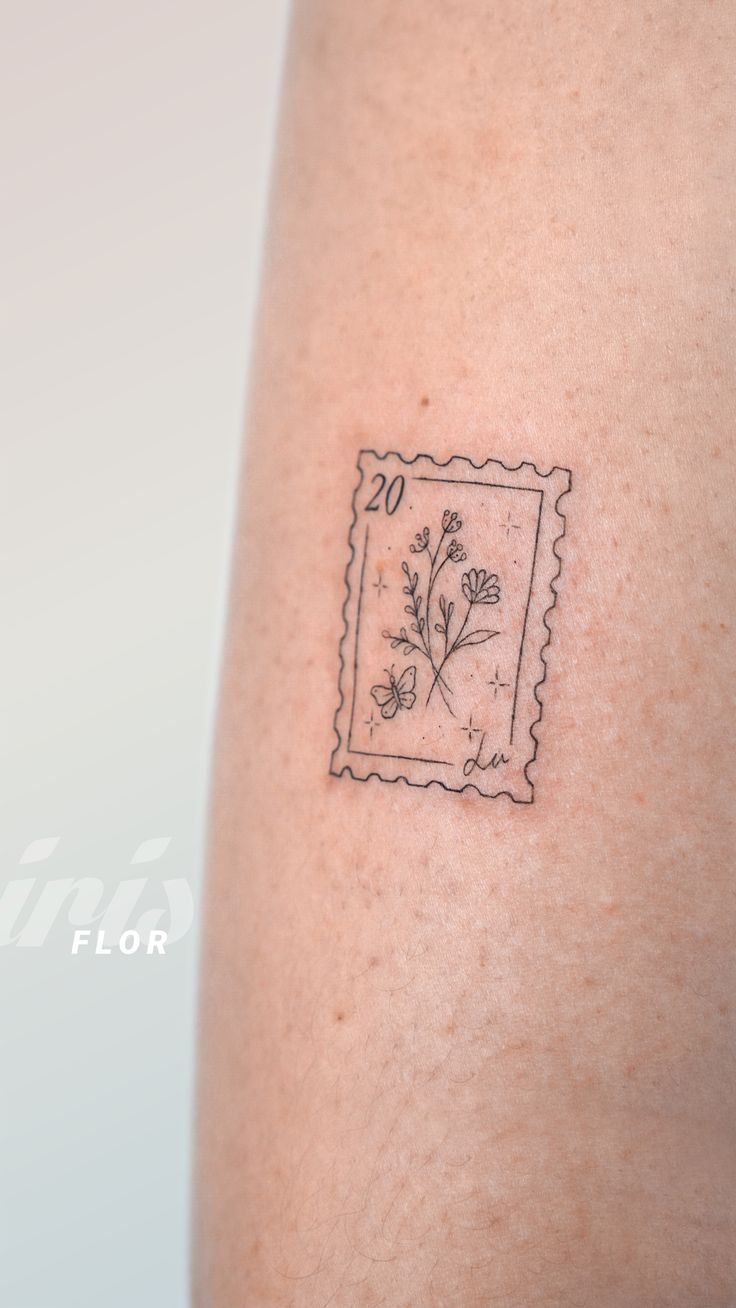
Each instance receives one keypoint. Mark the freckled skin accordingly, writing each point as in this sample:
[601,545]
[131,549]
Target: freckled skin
[454,1052]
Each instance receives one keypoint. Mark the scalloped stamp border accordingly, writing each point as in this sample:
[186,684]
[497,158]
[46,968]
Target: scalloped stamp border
[450,582]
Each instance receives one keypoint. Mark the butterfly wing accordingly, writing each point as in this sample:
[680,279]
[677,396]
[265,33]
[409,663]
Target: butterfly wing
[383,695]
[405,687]
[386,698]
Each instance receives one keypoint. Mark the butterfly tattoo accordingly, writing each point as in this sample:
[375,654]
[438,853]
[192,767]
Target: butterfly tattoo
[397,694]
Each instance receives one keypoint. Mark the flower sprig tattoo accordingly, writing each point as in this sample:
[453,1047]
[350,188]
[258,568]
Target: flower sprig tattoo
[477,587]
[418,642]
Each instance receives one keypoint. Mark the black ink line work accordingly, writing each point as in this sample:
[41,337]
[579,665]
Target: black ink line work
[399,720]
[437,762]
[357,634]
[351,750]
[523,629]
[478,588]
[398,694]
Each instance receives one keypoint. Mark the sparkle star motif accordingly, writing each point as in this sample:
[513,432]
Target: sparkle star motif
[379,585]
[370,723]
[497,685]
[470,729]
[511,526]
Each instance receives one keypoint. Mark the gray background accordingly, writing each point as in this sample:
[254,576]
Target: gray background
[135,149]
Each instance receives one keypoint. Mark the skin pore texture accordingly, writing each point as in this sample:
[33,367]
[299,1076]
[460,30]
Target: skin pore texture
[454,1050]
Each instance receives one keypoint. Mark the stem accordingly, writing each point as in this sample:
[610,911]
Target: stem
[427,640]
[434,556]
[422,649]
[432,580]
[438,678]
[450,652]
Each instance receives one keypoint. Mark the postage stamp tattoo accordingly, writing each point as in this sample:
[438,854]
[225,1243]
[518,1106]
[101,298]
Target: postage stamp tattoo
[451,580]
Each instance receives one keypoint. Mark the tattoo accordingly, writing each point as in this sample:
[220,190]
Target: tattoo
[450,583]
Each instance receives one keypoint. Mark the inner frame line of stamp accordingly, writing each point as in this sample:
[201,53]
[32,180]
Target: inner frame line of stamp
[407,758]
[357,634]
[494,485]
[526,615]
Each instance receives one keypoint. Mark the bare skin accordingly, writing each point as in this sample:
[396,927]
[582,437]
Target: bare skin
[455,1051]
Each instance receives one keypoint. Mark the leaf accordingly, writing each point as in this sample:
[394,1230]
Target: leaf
[476,637]
[438,627]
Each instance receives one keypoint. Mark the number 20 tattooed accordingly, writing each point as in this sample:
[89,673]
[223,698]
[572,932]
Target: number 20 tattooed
[451,580]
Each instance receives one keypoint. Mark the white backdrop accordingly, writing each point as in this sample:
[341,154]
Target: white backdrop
[136,143]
